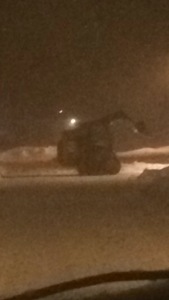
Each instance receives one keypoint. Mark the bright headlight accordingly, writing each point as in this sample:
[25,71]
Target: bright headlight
[72,122]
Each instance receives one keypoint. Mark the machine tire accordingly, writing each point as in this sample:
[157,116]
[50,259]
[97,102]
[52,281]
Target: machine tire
[113,167]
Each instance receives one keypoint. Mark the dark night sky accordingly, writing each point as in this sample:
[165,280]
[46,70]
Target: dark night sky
[86,56]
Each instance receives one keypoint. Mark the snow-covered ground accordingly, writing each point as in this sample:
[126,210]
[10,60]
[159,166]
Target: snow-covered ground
[36,154]
[59,228]
[55,228]
[42,161]
[28,154]
[160,154]
[128,172]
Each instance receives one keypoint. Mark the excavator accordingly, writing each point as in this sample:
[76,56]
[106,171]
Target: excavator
[89,146]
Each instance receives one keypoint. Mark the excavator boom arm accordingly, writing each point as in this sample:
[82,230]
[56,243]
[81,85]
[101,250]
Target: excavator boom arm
[119,115]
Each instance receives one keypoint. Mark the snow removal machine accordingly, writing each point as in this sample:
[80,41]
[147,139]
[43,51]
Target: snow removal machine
[88,146]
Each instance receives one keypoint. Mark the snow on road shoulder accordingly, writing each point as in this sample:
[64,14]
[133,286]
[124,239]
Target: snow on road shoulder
[38,161]
[129,172]
[28,154]
[155,155]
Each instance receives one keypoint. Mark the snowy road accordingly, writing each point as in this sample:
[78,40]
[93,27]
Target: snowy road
[53,229]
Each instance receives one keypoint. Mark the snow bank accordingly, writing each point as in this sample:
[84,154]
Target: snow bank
[32,161]
[28,154]
[154,181]
[160,154]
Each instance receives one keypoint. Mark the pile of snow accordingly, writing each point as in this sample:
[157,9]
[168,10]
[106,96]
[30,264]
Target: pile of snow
[28,154]
[155,180]
[32,154]
[138,168]
[160,154]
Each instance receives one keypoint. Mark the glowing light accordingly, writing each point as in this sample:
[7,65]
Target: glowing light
[135,130]
[73,121]
[61,111]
